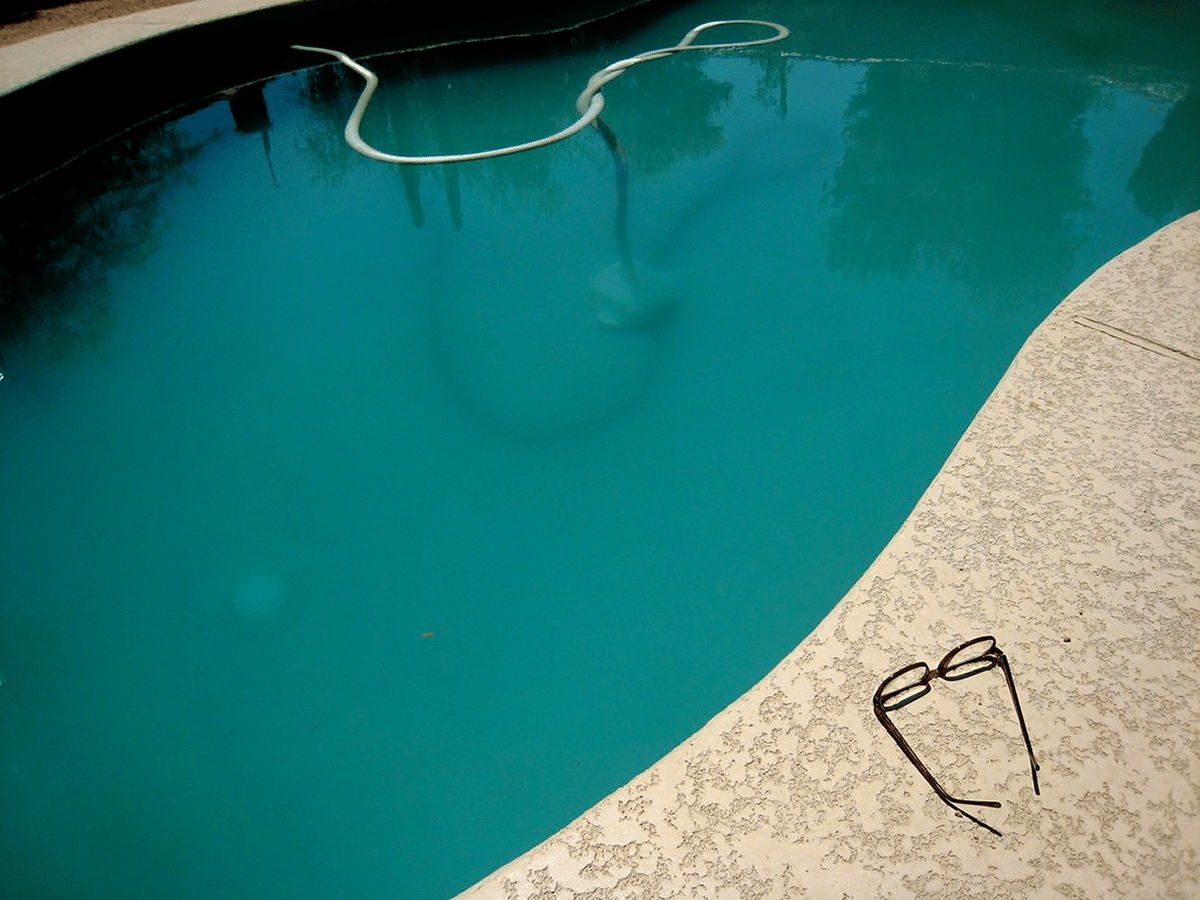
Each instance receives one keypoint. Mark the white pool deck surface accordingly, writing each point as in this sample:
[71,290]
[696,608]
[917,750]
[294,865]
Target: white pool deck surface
[40,57]
[1066,523]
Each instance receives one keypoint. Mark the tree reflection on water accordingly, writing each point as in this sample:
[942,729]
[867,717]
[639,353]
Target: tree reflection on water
[908,195]
[62,236]
[1166,182]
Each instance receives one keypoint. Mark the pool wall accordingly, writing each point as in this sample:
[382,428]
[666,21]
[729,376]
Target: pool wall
[1066,523]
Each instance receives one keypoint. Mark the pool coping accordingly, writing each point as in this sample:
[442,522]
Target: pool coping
[30,61]
[1065,522]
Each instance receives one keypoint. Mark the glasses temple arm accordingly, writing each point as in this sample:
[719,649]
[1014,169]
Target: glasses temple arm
[1012,689]
[952,802]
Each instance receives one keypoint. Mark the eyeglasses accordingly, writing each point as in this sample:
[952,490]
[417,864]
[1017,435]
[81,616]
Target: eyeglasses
[912,683]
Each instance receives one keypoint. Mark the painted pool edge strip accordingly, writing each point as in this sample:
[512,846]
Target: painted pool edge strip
[1067,523]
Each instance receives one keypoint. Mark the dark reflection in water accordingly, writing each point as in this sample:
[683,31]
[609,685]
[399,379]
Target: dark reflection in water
[323,90]
[908,195]
[678,122]
[248,107]
[61,237]
[772,89]
[1166,182]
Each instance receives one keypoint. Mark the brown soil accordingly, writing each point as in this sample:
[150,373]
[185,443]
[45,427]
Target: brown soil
[68,15]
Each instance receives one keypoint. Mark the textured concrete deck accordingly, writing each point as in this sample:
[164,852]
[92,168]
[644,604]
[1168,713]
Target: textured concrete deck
[1067,524]
[32,60]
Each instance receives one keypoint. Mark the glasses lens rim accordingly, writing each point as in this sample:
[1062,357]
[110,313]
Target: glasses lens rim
[905,685]
[976,655]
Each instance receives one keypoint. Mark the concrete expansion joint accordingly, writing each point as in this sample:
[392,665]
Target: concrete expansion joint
[1137,340]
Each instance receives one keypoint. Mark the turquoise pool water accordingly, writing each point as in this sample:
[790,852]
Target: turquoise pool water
[347,553]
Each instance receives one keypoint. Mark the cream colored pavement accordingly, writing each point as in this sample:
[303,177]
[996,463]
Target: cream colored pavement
[31,60]
[1067,524]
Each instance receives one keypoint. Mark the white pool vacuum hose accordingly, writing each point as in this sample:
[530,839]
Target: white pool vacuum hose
[589,105]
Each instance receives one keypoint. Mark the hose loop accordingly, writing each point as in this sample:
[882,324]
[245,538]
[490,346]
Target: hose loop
[589,105]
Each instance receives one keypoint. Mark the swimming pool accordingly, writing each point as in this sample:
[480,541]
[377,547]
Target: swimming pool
[297,455]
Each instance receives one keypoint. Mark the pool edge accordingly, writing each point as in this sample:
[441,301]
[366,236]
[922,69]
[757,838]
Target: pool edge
[33,60]
[1060,524]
